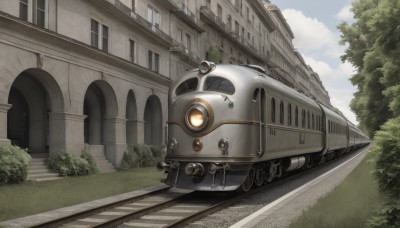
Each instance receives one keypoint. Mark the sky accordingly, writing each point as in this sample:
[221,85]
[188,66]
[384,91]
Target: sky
[313,23]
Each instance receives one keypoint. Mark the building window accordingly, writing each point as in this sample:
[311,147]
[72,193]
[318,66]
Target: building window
[132,51]
[23,10]
[153,16]
[133,4]
[94,33]
[154,61]
[188,42]
[40,13]
[273,110]
[105,38]
[219,11]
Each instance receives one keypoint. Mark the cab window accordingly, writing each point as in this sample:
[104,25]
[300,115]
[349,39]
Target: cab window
[219,84]
[187,86]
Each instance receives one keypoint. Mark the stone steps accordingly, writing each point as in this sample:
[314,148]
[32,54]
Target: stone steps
[99,156]
[37,170]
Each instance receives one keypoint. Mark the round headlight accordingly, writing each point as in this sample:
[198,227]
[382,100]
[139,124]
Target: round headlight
[196,117]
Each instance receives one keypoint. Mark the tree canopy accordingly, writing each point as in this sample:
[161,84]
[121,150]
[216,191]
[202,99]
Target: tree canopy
[373,47]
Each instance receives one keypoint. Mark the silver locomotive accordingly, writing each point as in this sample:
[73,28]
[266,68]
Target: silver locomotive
[231,127]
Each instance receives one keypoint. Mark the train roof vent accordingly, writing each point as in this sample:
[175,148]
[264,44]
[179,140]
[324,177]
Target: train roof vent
[255,67]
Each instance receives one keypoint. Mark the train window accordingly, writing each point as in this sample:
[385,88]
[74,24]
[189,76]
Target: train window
[329,126]
[313,121]
[187,86]
[289,111]
[273,110]
[255,95]
[296,117]
[308,119]
[281,113]
[303,118]
[219,84]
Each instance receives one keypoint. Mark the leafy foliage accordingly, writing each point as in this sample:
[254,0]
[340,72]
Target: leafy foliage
[67,164]
[374,49]
[213,54]
[14,162]
[137,156]
[387,154]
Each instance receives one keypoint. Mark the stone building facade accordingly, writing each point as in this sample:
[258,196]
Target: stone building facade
[97,72]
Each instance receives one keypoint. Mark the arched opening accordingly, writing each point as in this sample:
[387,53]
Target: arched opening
[153,121]
[131,117]
[99,105]
[34,95]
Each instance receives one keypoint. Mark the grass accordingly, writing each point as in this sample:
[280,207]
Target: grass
[28,198]
[350,204]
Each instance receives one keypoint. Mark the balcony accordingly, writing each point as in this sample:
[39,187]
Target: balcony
[132,17]
[185,53]
[209,17]
[184,13]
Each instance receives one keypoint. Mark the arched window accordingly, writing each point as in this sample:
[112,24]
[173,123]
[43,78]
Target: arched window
[303,118]
[289,111]
[273,110]
[296,117]
[308,119]
[281,113]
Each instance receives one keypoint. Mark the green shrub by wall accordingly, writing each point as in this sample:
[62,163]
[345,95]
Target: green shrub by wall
[386,153]
[14,162]
[67,164]
[142,156]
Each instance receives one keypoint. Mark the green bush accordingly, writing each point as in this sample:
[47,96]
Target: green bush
[67,164]
[386,153]
[14,162]
[142,156]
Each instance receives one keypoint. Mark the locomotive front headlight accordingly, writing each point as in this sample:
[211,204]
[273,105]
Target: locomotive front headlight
[206,66]
[197,117]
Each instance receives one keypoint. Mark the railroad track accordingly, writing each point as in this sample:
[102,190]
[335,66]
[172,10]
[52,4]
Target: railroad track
[168,207]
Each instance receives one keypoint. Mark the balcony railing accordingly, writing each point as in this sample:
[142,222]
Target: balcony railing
[185,53]
[143,22]
[228,31]
[184,12]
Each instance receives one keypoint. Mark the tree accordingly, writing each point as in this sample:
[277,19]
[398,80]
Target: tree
[373,48]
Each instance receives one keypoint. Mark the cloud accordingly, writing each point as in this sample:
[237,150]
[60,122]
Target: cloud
[309,32]
[345,14]
[313,35]
[336,82]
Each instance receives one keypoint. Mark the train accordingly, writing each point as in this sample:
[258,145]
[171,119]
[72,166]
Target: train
[232,127]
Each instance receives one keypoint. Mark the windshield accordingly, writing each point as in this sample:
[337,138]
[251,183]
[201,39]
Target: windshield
[219,84]
[187,86]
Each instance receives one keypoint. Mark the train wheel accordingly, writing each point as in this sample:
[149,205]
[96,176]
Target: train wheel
[259,179]
[248,183]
